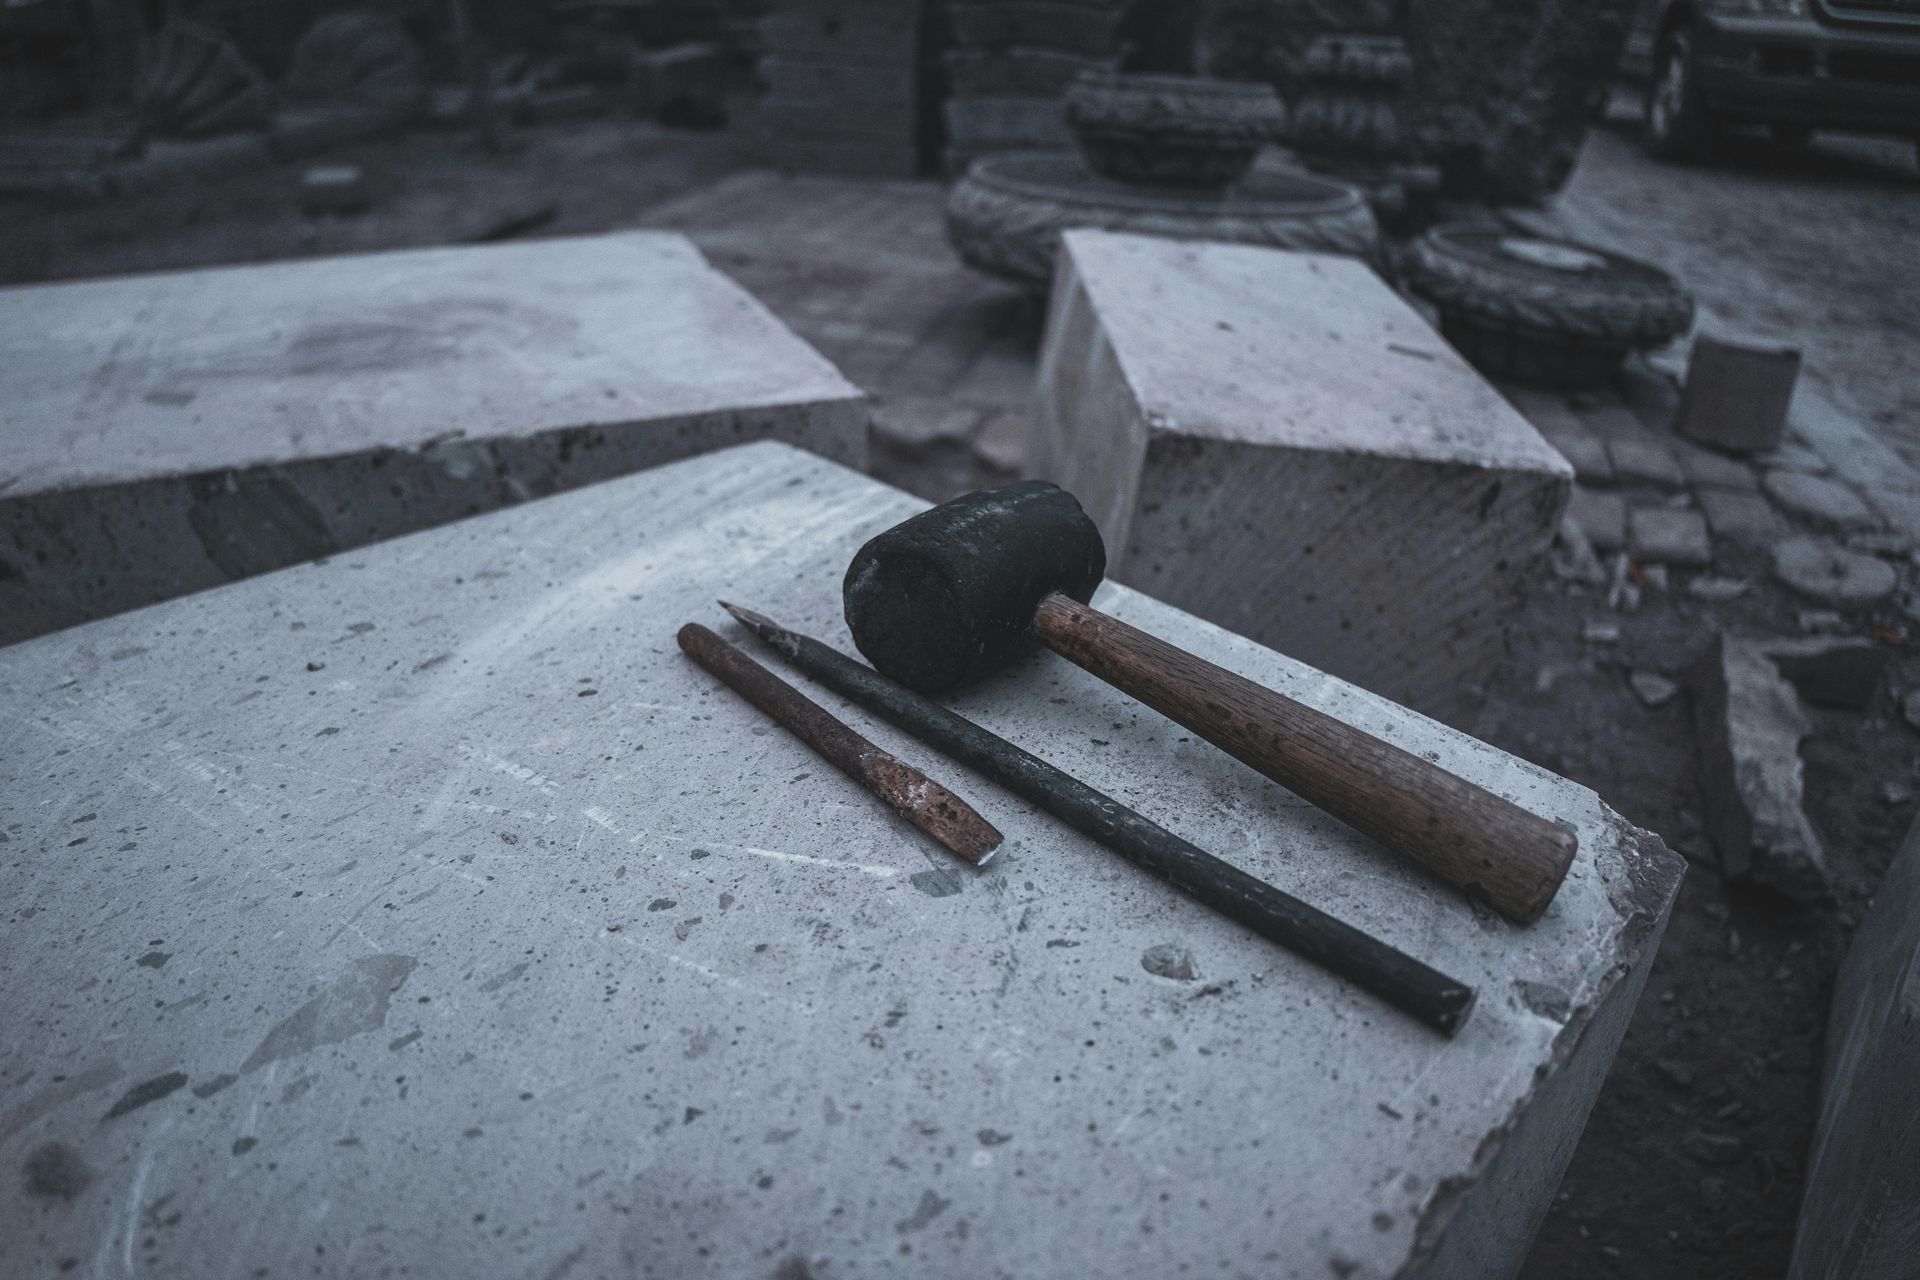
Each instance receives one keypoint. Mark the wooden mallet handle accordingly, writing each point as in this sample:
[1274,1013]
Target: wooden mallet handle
[1490,847]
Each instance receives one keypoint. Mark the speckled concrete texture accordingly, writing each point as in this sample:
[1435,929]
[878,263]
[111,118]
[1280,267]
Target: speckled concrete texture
[175,431]
[426,912]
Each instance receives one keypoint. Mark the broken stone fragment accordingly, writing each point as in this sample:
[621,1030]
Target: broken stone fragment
[1750,724]
[1652,690]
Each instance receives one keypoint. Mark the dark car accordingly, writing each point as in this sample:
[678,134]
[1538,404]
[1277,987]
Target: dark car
[1792,65]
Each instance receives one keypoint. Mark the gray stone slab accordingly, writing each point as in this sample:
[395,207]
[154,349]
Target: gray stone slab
[166,433]
[1857,1216]
[426,911]
[1277,442]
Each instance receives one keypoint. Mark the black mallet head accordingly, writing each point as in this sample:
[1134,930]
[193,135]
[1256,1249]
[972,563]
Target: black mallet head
[950,594]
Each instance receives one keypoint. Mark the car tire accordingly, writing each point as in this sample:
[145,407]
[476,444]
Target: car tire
[1677,125]
[1548,312]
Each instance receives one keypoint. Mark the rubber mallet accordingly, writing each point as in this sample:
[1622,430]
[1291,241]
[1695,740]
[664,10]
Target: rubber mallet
[975,583]
[1367,962]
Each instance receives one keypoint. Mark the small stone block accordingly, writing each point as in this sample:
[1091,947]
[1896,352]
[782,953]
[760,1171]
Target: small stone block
[1669,536]
[1744,518]
[1279,443]
[1737,395]
[1609,418]
[435,800]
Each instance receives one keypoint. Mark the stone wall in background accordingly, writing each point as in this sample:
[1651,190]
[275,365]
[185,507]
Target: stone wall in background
[1503,91]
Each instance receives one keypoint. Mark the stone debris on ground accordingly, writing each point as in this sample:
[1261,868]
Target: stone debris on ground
[1717,590]
[1750,725]
[1824,571]
[1572,557]
[1653,690]
[334,189]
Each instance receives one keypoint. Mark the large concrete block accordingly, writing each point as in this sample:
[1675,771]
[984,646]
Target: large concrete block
[167,433]
[1276,442]
[1860,1214]
[426,912]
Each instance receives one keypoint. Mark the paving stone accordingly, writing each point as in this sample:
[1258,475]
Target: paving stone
[1831,574]
[167,433]
[1607,417]
[1668,536]
[1750,724]
[1602,516]
[1642,459]
[1743,518]
[1580,447]
[437,797]
[1706,469]
[1383,510]
[1818,500]
[1737,394]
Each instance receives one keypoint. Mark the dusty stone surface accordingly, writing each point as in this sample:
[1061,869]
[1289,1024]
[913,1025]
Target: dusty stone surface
[170,432]
[490,888]
[1751,724]
[1382,508]
[1824,502]
[1831,574]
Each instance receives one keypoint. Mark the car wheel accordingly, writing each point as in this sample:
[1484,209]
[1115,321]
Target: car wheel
[1677,125]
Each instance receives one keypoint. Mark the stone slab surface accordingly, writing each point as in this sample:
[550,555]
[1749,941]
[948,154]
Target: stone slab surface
[1278,443]
[1857,1217]
[426,912]
[170,432]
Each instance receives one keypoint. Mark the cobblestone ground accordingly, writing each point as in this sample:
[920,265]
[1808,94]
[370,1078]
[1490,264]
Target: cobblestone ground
[1691,1163]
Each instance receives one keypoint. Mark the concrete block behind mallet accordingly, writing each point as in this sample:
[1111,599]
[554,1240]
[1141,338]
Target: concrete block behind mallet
[1737,394]
[168,433]
[1276,442]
